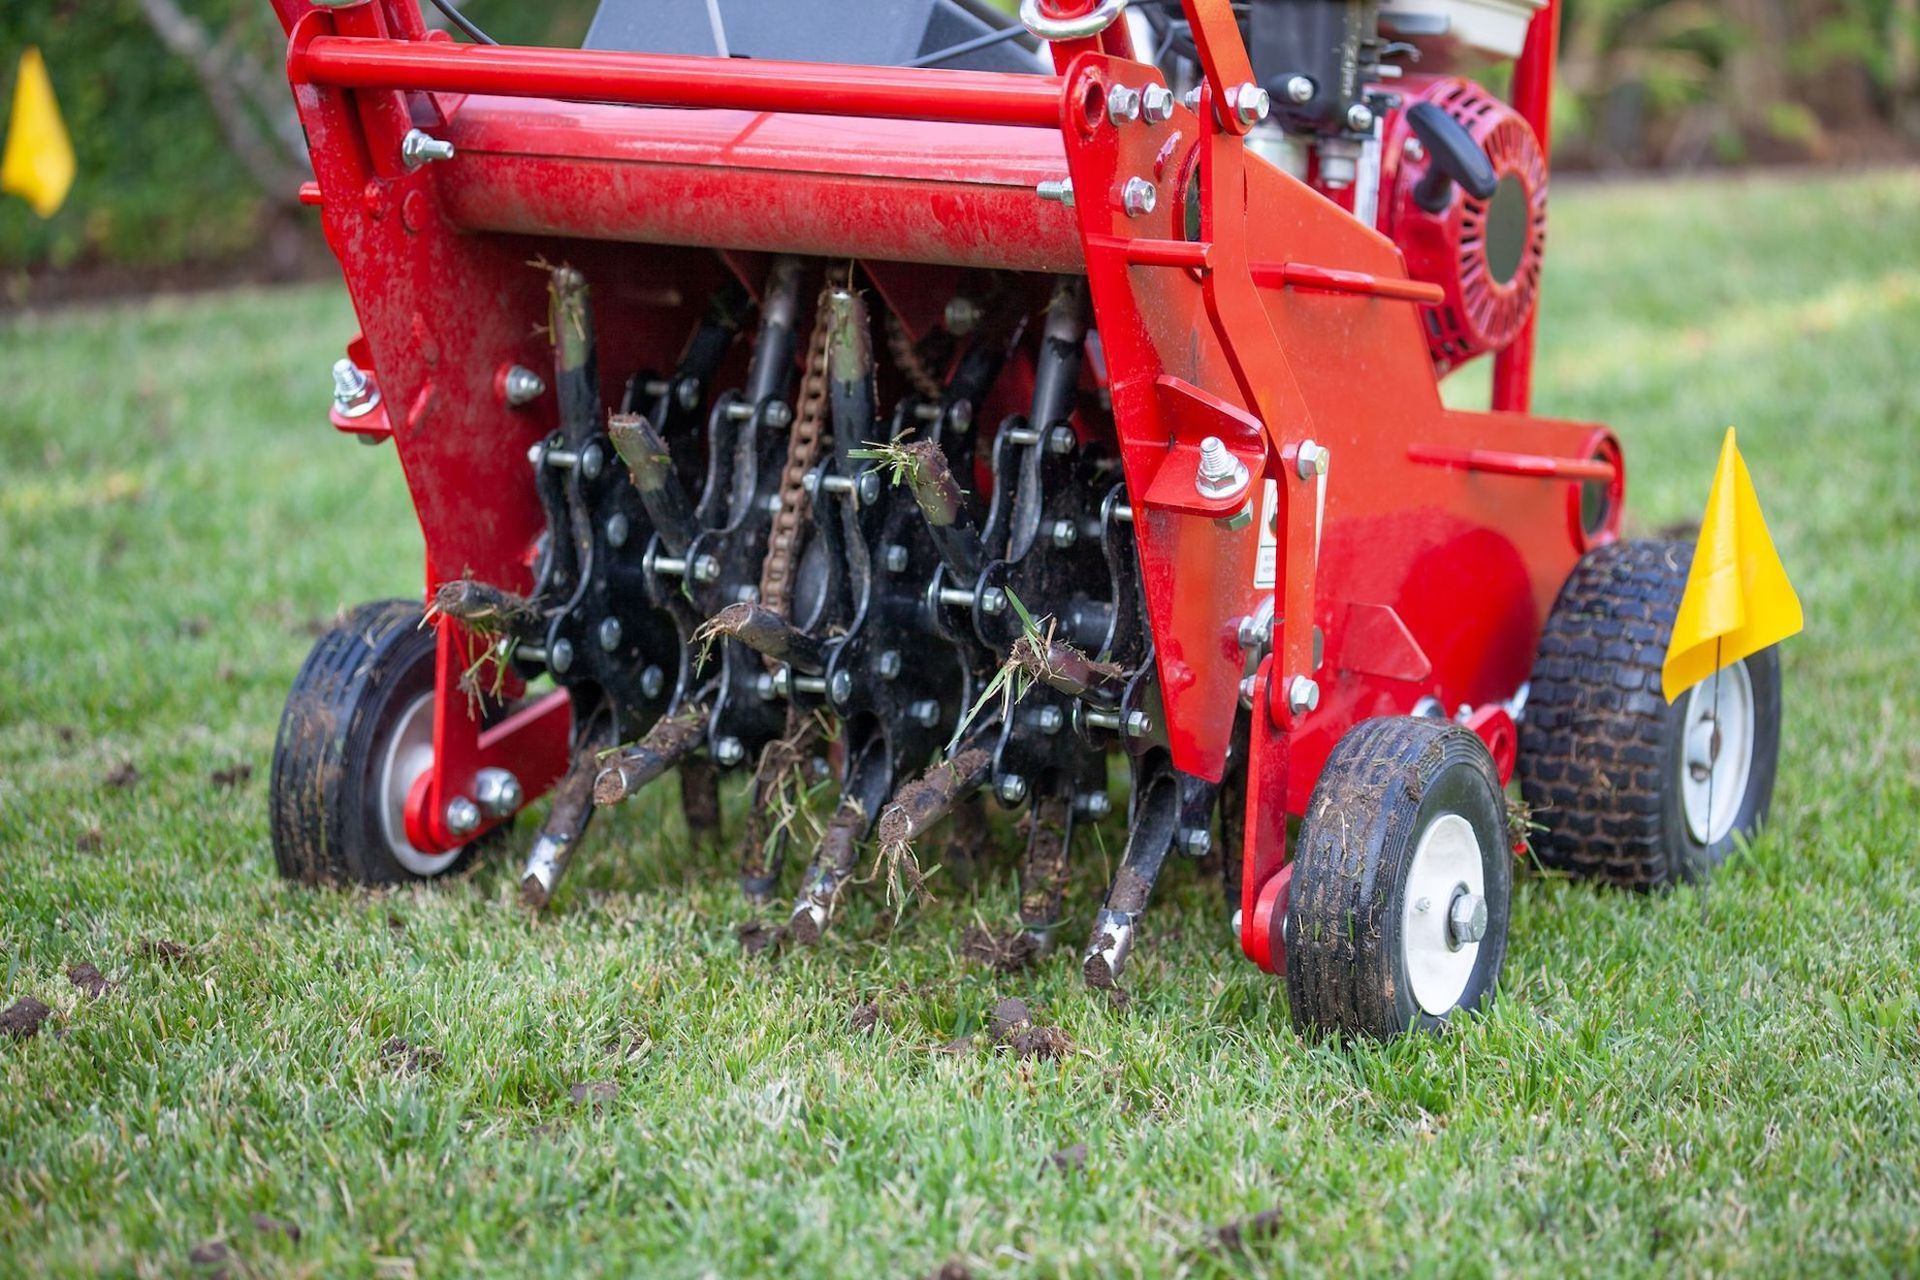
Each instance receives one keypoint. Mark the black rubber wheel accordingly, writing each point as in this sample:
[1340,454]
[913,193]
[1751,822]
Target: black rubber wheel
[1607,767]
[1402,882]
[360,688]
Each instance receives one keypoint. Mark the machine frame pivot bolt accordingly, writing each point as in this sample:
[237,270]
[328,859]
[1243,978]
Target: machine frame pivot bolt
[354,395]
[1303,694]
[1139,197]
[420,147]
[1156,104]
[1221,474]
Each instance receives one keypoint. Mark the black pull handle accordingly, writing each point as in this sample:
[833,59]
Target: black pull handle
[1456,158]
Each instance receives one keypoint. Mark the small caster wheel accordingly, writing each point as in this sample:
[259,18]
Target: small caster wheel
[1632,791]
[1402,882]
[356,733]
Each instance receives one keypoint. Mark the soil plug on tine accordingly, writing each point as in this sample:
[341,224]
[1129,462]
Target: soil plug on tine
[700,799]
[1156,823]
[631,768]
[1043,872]
[560,834]
[919,805]
[779,798]
[832,868]
[766,632]
[949,516]
[651,464]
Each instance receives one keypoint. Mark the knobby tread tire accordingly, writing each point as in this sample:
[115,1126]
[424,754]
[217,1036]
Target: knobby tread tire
[1598,738]
[1384,781]
[318,796]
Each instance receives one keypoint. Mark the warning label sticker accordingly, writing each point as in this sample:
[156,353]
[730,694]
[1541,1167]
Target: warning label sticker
[1266,562]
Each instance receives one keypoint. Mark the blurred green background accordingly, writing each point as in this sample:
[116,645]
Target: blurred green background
[188,153]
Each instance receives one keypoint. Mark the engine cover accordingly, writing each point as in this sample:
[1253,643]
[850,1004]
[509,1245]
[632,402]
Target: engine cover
[1486,254]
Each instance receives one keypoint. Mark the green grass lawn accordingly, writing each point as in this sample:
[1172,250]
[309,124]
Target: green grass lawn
[1715,1080]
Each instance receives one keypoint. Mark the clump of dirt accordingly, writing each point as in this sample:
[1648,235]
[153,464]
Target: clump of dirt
[1003,953]
[958,1047]
[267,1224]
[395,925]
[1012,1027]
[593,1093]
[865,1017]
[210,1259]
[122,775]
[196,626]
[23,1017]
[164,949]
[1069,1159]
[757,936]
[90,840]
[234,775]
[628,1044]
[952,1269]
[401,1055]
[1237,1235]
[89,979]
[67,734]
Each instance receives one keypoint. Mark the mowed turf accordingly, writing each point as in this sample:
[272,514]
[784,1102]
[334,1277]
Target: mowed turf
[1714,1080]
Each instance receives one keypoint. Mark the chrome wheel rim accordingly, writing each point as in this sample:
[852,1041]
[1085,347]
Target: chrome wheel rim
[408,755]
[1446,884]
[1717,733]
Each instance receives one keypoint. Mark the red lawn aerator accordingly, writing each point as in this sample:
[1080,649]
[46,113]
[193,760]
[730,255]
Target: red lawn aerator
[929,407]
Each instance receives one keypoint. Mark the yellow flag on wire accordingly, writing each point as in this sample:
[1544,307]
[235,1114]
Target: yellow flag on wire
[37,164]
[1738,600]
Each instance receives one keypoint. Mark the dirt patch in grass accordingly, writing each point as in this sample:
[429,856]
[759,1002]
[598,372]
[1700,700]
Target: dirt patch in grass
[89,841]
[267,1224]
[89,979]
[210,1259]
[593,1093]
[1239,1234]
[404,1056]
[757,936]
[1069,1159]
[164,949]
[1001,952]
[865,1017]
[23,1017]
[234,775]
[1013,1028]
[121,776]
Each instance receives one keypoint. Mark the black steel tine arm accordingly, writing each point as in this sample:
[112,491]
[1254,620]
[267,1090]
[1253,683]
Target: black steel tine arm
[700,799]
[773,353]
[850,385]
[779,787]
[559,837]
[1156,823]
[576,379]
[933,795]
[1060,666]
[1043,871]
[944,503]
[766,632]
[631,768]
[832,867]
[649,461]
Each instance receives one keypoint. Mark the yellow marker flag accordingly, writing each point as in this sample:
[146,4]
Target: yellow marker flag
[38,162]
[1738,600]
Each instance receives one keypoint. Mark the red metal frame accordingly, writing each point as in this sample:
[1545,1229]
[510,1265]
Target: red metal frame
[1421,565]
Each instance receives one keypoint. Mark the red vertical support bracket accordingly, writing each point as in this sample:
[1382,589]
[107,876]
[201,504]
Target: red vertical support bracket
[1533,78]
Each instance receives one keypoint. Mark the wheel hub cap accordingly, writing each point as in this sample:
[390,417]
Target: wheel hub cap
[1444,918]
[1716,755]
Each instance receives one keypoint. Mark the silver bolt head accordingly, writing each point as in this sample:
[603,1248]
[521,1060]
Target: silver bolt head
[1064,533]
[497,792]
[960,415]
[1156,103]
[1221,474]
[895,558]
[1241,518]
[867,488]
[1414,150]
[592,461]
[353,392]
[1250,103]
[617,529]
[888,664]
[1360,118]
[962,315]
[522,386]
[1012,789]
[686,392]
[463,816]
[560,656]
[993,601]
[653,681]
[841,687]
[420,147]
[778,414]
[765,686]
[1049,720]
[706,569]
[1139,724]
[729,751]
[1311,460]
[1096,805]
[1300,89]
[1123,104]
[1062,441]
[1247,687]
[610,634]
[1139,197]
[1198,842]
[925,713]
[1467,919]
[1303,694]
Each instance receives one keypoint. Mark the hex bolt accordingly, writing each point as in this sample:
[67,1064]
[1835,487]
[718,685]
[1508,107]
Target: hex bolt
[593,459]
[1466,920]
[1062,441]
[895,558]
[1191,98]
[1057,190]
[420,147]
[560,656]
[962,316]
[1247,689]
[1197,842]
[1413,149]
[463,816]
[706,569]
[653,682]
[1012,789]
[1049,720]
[925,713]
[610,634]
[993,601]
[1360,118]
[617,529]
[1303,694]
[766,686]
[1138,197]
[1300,89]
[522,386]
[354,394]
[888,665]
[778,415]
[867,488]
[1250,103]
[1221,474]
[1064,534]
[497,792]
[1311,460]
[1123,104]
[960,415]
[1156,104]
[840,689]
[1095,804]
[1139,724]
[729,752]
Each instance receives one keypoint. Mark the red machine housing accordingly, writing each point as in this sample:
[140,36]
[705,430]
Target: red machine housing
[1420,565]
[1485,254]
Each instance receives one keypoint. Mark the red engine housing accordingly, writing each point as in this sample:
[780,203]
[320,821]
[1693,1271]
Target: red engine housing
[1486,254]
